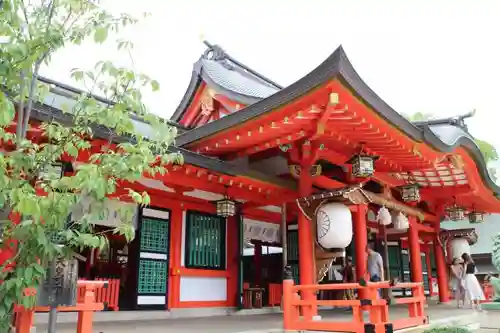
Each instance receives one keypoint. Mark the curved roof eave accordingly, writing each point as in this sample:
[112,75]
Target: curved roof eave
[462,139]
[337,65]
[194,83]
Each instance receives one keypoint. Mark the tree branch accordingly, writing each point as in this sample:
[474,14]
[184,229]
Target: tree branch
[20,112]
[34,79]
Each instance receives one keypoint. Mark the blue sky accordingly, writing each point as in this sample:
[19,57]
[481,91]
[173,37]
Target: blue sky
[441,56]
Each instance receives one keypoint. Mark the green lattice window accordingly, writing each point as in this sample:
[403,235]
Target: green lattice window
[425,272]
[205,241]
[154,235]
[152,277]
[395,261]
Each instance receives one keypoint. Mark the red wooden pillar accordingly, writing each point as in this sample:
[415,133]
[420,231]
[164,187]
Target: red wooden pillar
[174,285]
[233,260]
[414,247]
[360,243]
[442,274]
[305,237]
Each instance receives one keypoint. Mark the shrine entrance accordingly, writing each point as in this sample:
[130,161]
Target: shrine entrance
[262,264]
[110,263]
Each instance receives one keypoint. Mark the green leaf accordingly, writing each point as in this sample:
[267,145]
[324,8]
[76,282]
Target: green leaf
[77,74]
[155,85]
[7,111]
[7,301]
[135,196]
[71,149]
[100,35]
[28,274]
[39,269]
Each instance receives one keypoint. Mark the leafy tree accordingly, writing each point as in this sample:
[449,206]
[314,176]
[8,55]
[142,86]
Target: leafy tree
[30,32]
[489,152]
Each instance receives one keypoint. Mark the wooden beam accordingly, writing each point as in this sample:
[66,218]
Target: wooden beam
[327,183]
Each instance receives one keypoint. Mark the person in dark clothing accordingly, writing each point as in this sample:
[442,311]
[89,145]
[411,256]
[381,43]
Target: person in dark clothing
[348,276]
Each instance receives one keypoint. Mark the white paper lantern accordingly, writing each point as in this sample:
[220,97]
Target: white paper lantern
[384,216]
[334,226]
[401,222]
[457,247]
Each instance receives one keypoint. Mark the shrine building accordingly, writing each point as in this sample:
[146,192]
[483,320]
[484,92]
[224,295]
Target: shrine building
[303,175]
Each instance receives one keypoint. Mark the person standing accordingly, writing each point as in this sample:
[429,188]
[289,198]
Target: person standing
[375,265]
[348,276]
[473,290]
[457,281]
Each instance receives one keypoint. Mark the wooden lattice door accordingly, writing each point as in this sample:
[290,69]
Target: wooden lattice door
[152,282]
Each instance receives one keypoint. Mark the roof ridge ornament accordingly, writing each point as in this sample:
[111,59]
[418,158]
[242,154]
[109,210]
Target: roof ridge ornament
[459,120]
[214,52]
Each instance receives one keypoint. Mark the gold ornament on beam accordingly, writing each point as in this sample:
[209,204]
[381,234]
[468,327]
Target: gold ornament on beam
[316,170]
[320,128]
[295,170]
[333,99]
[456,161]
[416,152]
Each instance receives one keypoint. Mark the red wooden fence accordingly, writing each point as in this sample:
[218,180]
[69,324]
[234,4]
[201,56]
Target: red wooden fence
[85,308]
[107,295]
[294,305]
[275,293]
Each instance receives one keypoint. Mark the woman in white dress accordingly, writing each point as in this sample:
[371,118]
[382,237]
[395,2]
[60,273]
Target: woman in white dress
[473,290]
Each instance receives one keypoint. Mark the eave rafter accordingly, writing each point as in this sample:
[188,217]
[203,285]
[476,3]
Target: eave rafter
[186,176]
[237,187]
[333,123]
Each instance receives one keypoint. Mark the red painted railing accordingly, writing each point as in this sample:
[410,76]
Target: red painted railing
[275,294]
[85,309]
[377,308]
[109,295]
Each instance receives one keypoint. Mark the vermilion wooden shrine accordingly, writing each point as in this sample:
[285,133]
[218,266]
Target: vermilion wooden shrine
[263,147]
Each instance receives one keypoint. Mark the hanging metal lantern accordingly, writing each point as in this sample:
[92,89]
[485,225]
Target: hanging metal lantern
[226,207]
[410,192]
[476,217]
[363,166]
[455,213]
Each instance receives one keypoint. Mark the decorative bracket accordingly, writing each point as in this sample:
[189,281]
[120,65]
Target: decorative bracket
[296,170]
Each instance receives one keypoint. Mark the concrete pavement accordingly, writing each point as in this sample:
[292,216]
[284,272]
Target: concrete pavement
[267,323]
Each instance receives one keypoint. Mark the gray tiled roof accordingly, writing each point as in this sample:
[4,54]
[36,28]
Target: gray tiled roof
[227,77]
[449,134]
[233,78]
